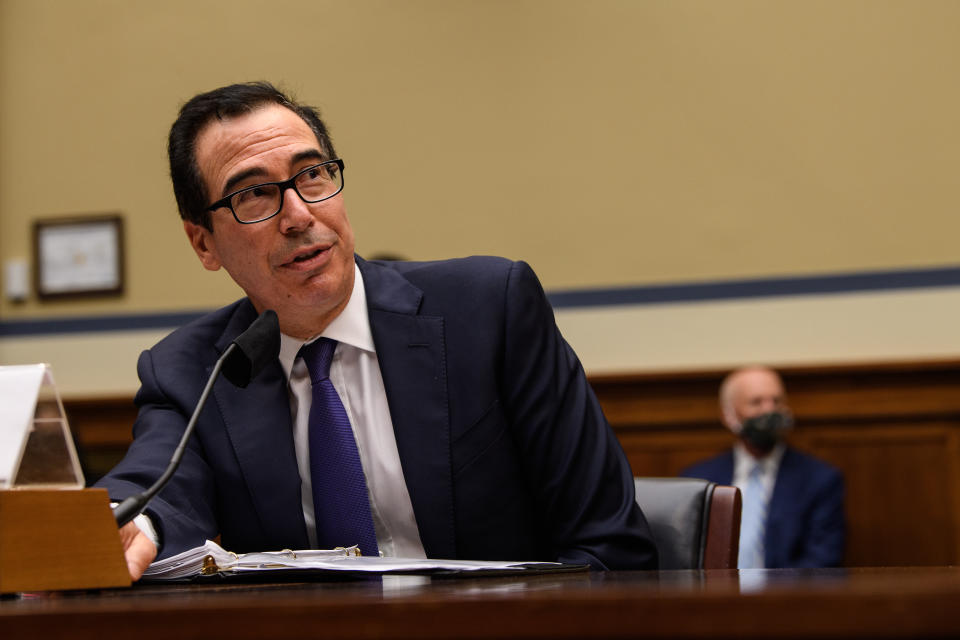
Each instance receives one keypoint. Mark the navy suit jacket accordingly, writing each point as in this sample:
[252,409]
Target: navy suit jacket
[805,522]
[504,448]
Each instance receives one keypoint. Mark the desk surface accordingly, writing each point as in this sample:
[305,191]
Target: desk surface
[863,602]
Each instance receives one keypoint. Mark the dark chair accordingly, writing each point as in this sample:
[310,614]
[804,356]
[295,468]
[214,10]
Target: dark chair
[695,523]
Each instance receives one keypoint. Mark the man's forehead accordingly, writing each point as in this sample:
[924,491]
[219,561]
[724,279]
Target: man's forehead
[268,133]
[758,382]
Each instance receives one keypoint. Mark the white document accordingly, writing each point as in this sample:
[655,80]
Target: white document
[19,388]
[212,559]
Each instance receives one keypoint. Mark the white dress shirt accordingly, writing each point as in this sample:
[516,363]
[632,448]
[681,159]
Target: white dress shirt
[355,374]
[756,503]
[744,462]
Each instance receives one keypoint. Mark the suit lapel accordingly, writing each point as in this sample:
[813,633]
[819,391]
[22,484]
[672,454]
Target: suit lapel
[258,423]
[781,501]
[783,488]
[411,353]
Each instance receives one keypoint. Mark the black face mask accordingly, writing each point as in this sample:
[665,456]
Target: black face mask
[763,432]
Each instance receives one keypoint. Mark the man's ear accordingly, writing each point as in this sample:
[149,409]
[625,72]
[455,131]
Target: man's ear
[730,420]
[201,239]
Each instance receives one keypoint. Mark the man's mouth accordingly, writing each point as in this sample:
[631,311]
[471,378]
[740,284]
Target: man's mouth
[308,256]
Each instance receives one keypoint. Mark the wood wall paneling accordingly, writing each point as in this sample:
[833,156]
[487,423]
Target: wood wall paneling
[102,430]
[893,429]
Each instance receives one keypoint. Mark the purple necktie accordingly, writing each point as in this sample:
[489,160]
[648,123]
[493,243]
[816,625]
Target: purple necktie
[340,501]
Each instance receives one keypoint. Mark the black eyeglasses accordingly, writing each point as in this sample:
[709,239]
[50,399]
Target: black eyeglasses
[263,201]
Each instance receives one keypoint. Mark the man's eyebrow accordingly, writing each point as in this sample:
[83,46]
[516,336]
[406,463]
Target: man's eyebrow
[309,154]
[240,177]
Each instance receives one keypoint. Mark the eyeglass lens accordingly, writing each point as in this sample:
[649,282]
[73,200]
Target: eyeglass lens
[313,184]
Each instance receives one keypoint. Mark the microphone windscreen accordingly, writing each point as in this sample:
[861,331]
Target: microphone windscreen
[255,348]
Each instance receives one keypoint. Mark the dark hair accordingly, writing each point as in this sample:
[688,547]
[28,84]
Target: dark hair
[225,102]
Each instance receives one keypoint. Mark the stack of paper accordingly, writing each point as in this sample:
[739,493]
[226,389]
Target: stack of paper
[211,559]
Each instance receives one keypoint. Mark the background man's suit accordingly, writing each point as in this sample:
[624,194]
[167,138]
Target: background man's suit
[505,451]
[805,521]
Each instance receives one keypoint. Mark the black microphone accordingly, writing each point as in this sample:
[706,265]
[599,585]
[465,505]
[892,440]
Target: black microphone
[246,356]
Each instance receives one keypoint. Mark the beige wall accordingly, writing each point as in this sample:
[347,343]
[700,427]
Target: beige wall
[606,142]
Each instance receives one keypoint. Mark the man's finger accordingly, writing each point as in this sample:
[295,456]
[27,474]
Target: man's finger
[138,549]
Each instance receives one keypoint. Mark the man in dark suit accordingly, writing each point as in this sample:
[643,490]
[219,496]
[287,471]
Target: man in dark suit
[472,420]
[792,502]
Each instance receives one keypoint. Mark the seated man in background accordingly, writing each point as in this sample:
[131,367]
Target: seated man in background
[417,409]
[792,503]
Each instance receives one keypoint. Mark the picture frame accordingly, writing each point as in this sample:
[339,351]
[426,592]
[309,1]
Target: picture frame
[78,256]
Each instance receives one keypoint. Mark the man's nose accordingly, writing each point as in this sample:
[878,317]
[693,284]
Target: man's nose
[295,215]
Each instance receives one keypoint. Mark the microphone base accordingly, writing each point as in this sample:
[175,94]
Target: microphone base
[54,539]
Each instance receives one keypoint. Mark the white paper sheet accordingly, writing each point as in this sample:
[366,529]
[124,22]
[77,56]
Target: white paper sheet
[19,387]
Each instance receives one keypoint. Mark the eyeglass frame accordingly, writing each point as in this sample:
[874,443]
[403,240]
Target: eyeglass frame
[283,185]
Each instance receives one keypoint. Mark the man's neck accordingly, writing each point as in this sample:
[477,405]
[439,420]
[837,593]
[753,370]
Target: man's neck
[304,330]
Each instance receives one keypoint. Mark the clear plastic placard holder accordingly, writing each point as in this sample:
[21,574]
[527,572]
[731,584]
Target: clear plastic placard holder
[36,449]
[54,534]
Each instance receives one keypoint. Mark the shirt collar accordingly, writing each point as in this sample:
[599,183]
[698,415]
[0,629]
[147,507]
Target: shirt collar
[351,327]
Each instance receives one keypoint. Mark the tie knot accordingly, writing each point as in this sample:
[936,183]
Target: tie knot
[318,355]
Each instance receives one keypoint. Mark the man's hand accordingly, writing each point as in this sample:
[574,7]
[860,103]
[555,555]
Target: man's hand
[138,549]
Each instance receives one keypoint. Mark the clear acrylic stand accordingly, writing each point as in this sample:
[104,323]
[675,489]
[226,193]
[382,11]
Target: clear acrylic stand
[34,434]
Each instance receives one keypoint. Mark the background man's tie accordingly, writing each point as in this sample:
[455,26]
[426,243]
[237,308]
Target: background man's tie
[340,500]
[753,522]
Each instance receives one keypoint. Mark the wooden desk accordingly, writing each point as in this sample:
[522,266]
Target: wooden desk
[842,603]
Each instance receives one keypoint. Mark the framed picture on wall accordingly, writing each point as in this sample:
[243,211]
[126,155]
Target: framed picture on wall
[78,256]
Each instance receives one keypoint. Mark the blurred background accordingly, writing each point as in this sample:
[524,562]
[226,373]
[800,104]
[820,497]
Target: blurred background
[694,181]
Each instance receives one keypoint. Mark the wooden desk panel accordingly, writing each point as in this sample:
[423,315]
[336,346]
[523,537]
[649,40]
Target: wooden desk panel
[780,604]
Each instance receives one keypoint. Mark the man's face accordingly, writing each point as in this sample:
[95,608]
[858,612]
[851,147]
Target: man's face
[298,263]
[755,392]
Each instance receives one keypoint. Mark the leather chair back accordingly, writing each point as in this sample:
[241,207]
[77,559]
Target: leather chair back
[695,523]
